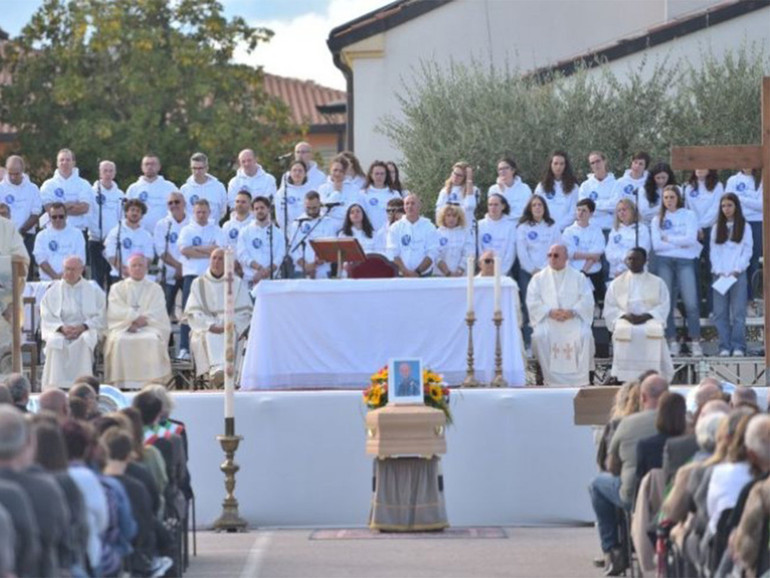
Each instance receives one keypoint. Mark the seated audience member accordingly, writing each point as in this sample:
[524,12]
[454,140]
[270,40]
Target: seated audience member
[616,488]
[7,553]
[743,395]
[487,264]
[54,401]
[90,381]
[625,403]
[671,422]
[80,442]
[309,226]
[455,243]
[86,393]
[19,387]
[585,243]
[51,455]
[412,241]
[5,395]
[150,461]
[635,309]
[746,542]
[205,314]
[45,496]
[138,328]
[561,310]
[71,321]
[56,242]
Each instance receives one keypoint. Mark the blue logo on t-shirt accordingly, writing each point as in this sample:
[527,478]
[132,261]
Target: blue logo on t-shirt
[593,195]
[194,199]
[100,199]
[197,241]
[617,238]
[576,239]
[452,197]
[550,195]
[173,237]
[694,193]
[486,238]
[532,235]
[740,187]
[406,239]
[628,189]
[373,201]
[443,241]
[143,196]
[127,243]
[291,200]
[667,224]
[257,243]
[53,246]
[306,227]
[9,199]
[233,233]
[59,192]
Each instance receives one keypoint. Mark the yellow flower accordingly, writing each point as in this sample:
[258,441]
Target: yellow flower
[435,393]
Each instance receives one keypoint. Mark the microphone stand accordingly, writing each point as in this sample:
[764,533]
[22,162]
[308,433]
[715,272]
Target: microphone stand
[270,235]
[304,239]
[101,200]
[638,216]
[288,260]
[165,251]
[119,248]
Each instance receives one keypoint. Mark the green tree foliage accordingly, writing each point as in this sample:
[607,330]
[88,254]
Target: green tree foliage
[118,78]
[476,114]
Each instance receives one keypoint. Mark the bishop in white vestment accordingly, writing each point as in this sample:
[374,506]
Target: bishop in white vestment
[205,314]
[71,322]
[635,309]
[561,307]
[11,245]
[136,349]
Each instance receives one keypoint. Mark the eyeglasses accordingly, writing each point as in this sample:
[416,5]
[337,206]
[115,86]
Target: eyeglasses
[501,169]
[57,217]
[458,175]
[393,210]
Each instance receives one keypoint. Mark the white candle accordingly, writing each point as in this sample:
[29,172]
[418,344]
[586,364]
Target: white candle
[229,336]
[497,283]
[470,269]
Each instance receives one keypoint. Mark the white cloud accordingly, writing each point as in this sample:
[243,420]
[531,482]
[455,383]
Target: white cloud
[299,50]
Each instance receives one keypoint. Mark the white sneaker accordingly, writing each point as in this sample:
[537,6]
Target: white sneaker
[160,565]
[673,348]
[528,352]
[183,355]
[724,353]
[738,353]
[695,349]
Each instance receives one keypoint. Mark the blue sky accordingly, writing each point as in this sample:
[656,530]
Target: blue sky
[301,28]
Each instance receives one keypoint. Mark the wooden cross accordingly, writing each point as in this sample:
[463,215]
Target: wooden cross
[741,157]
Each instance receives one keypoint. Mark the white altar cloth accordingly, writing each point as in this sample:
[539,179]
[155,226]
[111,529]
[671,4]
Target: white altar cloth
[336,333]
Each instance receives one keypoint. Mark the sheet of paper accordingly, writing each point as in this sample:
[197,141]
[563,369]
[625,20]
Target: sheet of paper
[723,284]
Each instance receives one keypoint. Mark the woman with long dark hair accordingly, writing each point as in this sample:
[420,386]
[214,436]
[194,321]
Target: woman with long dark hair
[358,226]
[559,188]
[290,196]
[377,192]
[659,177]
[747,184]
[395,179]
[511,187]
[731,247]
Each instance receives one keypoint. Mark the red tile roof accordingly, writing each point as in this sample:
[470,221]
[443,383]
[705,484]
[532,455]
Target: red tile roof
[302,97]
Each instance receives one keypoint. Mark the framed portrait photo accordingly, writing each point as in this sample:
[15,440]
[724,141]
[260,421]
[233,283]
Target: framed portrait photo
[405,381]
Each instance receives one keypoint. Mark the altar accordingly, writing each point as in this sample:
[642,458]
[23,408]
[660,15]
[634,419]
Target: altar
[336,333]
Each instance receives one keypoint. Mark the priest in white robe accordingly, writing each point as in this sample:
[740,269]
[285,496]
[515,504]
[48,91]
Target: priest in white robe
[205,313]
[635,309]
[12,246]
[138,330]
[561,307]
[71,322]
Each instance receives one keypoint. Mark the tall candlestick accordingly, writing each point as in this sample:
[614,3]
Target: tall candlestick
[471,269]
[229,336]
[497,283]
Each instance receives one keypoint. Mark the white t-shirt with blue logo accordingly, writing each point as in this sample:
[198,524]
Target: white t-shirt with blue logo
[260,184]
[749,195]
[600,192]
[109,200]
[500,236]
[195,235]
[169,226]
[349,195]
[627,186]
[457,196]
[232,228]
[153,194]
[211,190]
[376,204]
[52,246]
[561,206]
[517,195]
[620,241]
[309,230]
[454,247]
[23,200]
[292,197]
[254,246]
[588,239]
[532,243]
[132,241]
[73,189]
[677,235]
[704,203]
[412,242]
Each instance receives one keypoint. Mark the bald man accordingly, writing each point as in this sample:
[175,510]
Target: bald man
[138,329]
[250,177]
[413,241]
[71,321]
[55,401]
[561,310]
[205,314]
[303,151]
[23,199]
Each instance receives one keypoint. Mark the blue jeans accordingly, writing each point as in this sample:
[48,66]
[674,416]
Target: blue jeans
[704,275]
[680,278]
[756,253]
[184,329]
[605,498]
[526,330]
[730,315]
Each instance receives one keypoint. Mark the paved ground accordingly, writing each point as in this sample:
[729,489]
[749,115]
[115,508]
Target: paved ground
[526,552]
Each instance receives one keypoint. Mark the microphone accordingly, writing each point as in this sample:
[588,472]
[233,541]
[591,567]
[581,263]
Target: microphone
[285,157]
[331,205]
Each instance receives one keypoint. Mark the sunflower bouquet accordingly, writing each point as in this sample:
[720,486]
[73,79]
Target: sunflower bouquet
[435,391]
